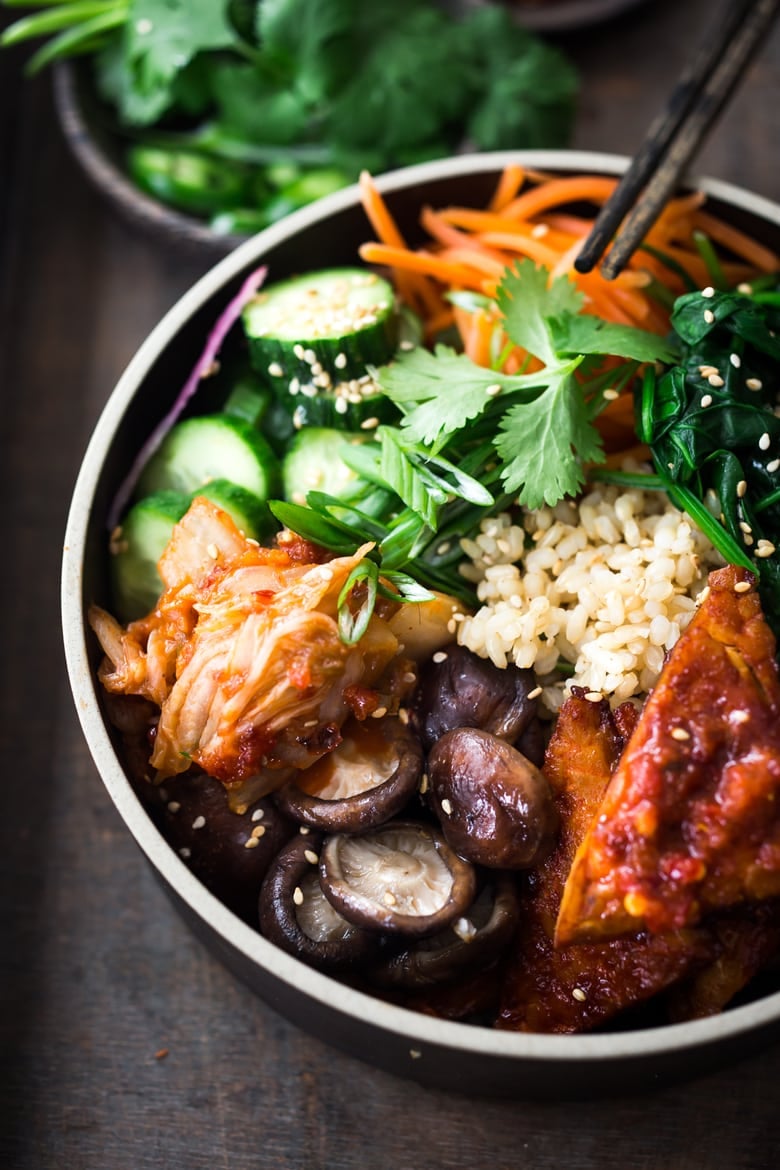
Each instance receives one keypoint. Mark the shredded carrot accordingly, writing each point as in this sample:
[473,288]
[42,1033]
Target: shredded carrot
[558,192]
[546,218]
[764,259]
[512,179]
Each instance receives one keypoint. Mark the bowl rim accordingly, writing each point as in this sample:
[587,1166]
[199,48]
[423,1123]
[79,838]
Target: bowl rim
[417,1029]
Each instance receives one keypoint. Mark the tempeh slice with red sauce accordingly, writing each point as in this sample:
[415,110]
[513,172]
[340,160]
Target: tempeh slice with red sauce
[690,822]
[575,989]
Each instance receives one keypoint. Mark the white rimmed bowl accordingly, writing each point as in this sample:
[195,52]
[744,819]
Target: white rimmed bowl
[436,1052]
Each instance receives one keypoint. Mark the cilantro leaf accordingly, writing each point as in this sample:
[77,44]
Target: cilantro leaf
[545,442]
[308,43]
[401,92]
[448,388]
[160,38]
[528,301]
[531,99]
[586,334]
[253,108]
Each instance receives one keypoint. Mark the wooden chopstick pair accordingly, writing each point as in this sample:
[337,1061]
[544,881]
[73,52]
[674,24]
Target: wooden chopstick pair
[673,138]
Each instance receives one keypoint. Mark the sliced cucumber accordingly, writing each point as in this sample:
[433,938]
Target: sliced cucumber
[213,446]
[250,515]
[314,462]
[314,337]
[137,547]
[248,399]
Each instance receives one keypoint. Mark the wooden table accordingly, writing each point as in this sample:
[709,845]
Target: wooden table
[100,976]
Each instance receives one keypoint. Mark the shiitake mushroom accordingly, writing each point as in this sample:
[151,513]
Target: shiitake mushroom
[399,878]
[457,688]
[229,852]
[365,781]
[476,939]
[295,914]
[495,807]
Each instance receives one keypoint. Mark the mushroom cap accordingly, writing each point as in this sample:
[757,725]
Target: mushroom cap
[476,939]
[366,780]
[495,807]
[295,914]
[400,878]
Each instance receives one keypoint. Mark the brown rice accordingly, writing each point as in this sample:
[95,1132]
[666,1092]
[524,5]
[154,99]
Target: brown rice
[607,584]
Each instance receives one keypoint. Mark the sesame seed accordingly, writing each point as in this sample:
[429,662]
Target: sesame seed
[741,488]
[403,715]
[535,693]
[258,831]
[298,896]
[304,830]
[213,551]
[765,548]
[251,843]
[764,442]
[715,380]
[406,345]
[185,852]
[709,291]
[173,806]
[739,717]
[340,361]
[379,713]
[299,416]
[310,856]
[415,1053]
[735,360]
[444,547]
[745,289]
[579,995]
[594,696]
[423,783]
[754,384]
[440,656]
[275,370]
[680,733]
[446,807]
[539,230]
[493,389]
[742,587]
[452,626]
[611,395]
[709,316]
[745,526]
[299,351]
[706,400]
[342,406]
[389,898]
[368,424]
[199,822]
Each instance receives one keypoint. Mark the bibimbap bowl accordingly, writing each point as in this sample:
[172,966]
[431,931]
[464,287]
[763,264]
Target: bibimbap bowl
[435,1051]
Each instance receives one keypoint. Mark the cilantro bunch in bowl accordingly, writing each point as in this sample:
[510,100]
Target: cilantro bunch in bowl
[237,112]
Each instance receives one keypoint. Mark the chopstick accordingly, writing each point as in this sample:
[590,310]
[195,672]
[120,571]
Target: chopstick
[673,138]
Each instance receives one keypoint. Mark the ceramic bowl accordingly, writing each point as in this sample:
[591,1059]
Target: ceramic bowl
[433,1051]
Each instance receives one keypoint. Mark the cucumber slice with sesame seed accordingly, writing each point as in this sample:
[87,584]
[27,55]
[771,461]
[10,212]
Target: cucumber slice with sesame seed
[336,321]
[250,514]
[314,339]
[137,547]
[314,462]
[212,446]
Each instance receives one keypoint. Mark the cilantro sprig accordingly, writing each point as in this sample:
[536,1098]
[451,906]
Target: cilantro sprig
[543,421]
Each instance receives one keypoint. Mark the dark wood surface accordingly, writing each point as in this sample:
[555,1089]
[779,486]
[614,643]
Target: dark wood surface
[99,974]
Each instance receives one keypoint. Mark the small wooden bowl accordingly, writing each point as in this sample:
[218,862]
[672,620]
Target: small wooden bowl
[86,125]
